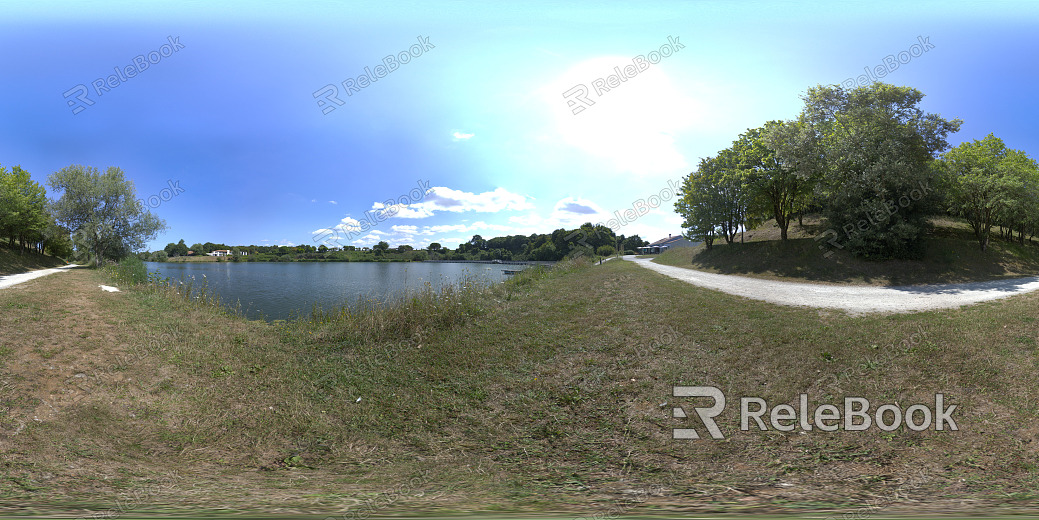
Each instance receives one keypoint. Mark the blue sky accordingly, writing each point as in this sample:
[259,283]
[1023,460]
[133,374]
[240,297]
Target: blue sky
[229,114]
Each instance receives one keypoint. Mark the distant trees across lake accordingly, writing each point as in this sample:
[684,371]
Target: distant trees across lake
[587,240]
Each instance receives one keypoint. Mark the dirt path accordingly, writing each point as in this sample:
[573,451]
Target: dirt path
[852,298]
[15,279]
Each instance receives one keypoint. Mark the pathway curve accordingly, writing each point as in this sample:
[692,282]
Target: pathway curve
[15,279]
[856,299]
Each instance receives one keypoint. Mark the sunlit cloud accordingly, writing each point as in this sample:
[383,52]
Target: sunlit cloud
[441,198]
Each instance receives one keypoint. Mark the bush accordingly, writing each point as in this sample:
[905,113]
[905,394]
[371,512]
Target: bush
[131,271]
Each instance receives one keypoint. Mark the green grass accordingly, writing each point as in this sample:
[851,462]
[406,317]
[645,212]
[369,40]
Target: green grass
[548,393]
[13,261]
[952,256]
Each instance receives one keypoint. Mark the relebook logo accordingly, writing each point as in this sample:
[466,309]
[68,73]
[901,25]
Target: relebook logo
[858,414]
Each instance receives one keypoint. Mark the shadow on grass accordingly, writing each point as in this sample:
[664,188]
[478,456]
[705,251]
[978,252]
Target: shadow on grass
[951,256]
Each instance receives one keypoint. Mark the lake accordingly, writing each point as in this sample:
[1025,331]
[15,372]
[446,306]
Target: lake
[282,290]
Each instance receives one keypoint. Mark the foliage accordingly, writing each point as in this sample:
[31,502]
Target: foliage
[863,156]
[103,212]
[23,212]
[991,184]
[782,157]
[877,146]
[131,271]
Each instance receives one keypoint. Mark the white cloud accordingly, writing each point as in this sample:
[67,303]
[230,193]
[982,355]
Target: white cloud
[332,202]
[411,230]
[446,199]
[568,212]
[441,198]
[459,136]
[401,210]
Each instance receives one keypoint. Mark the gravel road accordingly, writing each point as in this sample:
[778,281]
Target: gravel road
[855,299]
[15,279]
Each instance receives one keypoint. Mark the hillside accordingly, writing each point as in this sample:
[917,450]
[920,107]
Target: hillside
[13,262]
[952,256]
[552,393]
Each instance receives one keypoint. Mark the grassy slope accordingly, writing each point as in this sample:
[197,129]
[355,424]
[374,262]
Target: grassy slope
[545,396]
[952,255]
[11,262]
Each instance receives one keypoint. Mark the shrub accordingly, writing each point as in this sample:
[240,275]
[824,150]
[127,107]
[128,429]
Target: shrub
[131,271]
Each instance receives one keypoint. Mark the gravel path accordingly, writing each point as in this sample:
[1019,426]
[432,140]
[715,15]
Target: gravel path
[855,299]
[15,279]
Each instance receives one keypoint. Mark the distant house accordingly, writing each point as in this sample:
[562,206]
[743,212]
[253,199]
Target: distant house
[664,244]
[220,252]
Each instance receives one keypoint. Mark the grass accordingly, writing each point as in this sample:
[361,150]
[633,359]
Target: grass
[952,256]
[13,261]
[548,393]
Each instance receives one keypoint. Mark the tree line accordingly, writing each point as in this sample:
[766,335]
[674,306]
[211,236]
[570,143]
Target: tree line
[871,161]
[96,218]
[587,239]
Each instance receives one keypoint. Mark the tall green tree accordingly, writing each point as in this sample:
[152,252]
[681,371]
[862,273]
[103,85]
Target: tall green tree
[990,183]
[102,211]
[782,168]
[877,146]
[699,204]
[23,209]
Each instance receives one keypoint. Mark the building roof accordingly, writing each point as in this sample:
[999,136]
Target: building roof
[668,241]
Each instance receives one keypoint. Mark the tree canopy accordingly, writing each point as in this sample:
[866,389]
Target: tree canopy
[865,157]
[102,211]
[991,184]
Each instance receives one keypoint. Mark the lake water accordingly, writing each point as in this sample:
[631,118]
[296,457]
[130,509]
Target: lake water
[281,290]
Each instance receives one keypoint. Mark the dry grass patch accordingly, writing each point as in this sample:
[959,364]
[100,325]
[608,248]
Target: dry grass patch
[952,256]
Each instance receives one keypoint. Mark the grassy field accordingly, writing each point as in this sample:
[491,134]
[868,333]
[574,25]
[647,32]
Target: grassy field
[13,262]
[552,393]
[952,255]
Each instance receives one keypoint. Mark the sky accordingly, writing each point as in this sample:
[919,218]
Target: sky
[248,123]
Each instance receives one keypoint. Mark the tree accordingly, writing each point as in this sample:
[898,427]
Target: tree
[23,209]
[877,146]
[781,170]
[103,212]
[699,204]
[989,183]
[633,243]
[380,248]
[178,249]
[198,249]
